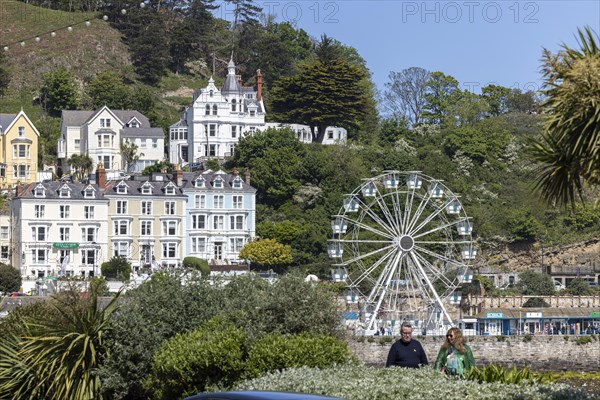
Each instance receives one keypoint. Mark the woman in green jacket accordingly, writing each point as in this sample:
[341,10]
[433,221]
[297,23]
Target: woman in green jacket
[455,357]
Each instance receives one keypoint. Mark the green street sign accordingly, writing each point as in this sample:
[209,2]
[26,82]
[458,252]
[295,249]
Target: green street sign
[65,245]
[595,314]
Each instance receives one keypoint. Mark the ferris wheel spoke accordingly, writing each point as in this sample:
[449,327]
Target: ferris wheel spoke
[434,271]
[429,218]
[369,271]
[440,257]
[369,228]
[398,211]
[430,269]
[438,228]
[367,210]
[430,285]
[379,291]
[419,211]
[363,256]
[383,206]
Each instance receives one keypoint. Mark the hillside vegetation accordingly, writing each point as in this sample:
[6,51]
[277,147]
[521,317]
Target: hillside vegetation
[475,143]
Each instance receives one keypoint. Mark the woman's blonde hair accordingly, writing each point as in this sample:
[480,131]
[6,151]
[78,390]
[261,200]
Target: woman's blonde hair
[459,342]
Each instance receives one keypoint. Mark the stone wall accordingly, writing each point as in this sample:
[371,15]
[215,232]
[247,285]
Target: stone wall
[547,353]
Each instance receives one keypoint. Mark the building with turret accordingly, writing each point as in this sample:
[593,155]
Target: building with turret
[212,125]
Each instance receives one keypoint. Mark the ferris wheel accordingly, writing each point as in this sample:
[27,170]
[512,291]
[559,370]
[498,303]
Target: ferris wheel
[404,244]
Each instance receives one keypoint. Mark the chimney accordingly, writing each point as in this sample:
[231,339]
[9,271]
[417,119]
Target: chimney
[18,189]
[235,172]
[178,175]
[101,176]
[247,176]
[259,84]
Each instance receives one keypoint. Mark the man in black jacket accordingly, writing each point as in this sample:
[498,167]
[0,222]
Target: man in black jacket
[406,352]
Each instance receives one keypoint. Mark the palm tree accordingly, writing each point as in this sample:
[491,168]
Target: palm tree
[57,357]
[81,164]
[568,152]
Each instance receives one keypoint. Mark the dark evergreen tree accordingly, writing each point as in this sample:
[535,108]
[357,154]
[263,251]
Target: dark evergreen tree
[321,95]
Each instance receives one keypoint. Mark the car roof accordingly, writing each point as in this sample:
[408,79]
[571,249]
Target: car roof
[260,395]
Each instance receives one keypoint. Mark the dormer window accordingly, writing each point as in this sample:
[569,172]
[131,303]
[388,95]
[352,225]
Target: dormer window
[237,183]
[218,183]
[147,189]
[64,191]
[89,193]
[252,113]
[39,191]
[200,183]
[170,189]
[210,93]
[122,188]
[233,105]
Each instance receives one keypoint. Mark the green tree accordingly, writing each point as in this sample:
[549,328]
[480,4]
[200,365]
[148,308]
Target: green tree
[130,155]
[117,267]
[4,75]
[284,232]
[275,161]
[578,287]
[81,164]
[391,130]
[497,98]
[57,355]
[441,93]
[186,364]
[10,278]
[108,89]
[321,94]
[196,264]
[566,153]
[58,92]
[267,253]
[159,167]
[533,283]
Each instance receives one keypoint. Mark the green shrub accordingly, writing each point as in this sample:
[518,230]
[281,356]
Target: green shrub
[527,338]
[360,339]
[496,373]
[501,338]
[385,340]
[212,354]
[277,352]
[371,383]
[583,340]
[197,264]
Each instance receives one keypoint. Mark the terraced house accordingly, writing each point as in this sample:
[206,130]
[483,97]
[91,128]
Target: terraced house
[70,229]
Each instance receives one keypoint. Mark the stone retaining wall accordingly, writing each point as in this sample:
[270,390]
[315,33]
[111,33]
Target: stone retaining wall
[550,353]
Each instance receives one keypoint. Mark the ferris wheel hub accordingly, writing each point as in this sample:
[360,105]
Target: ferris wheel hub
[405,243]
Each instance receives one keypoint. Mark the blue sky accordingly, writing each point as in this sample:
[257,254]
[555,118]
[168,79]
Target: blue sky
[477,42]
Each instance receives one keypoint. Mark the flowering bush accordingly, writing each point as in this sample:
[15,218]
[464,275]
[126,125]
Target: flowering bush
[368,383]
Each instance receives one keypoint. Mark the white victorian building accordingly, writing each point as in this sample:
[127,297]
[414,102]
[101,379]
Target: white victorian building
[213,124]
[58,229]
[99,134]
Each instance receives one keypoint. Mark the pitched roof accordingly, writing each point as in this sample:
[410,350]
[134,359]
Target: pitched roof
[6,120]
